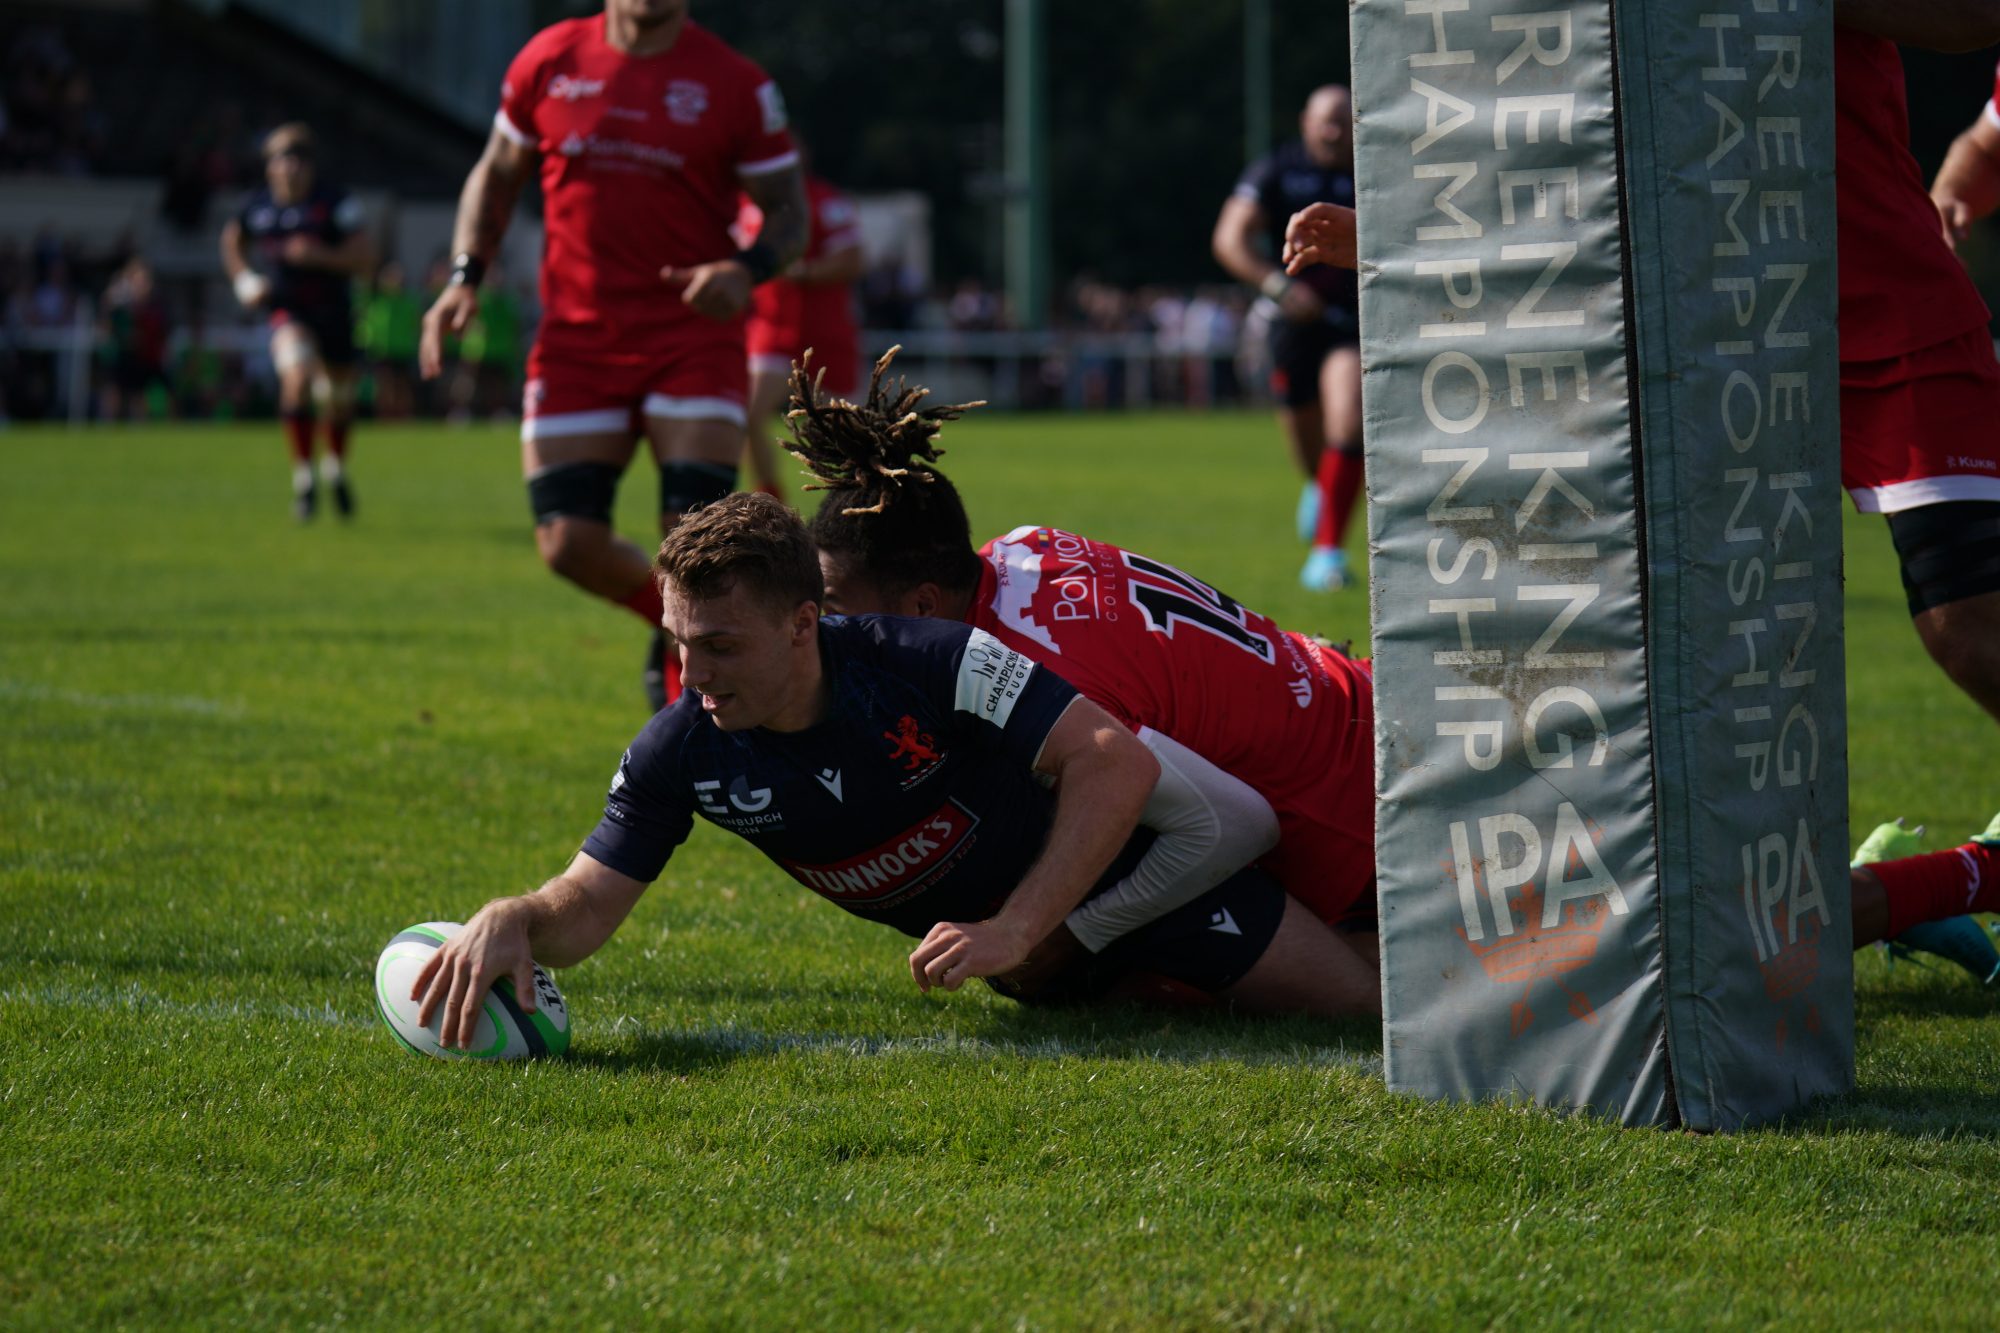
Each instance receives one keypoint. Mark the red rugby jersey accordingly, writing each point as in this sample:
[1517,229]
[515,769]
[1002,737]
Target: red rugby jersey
[1156,647]
[642,161]
[793,309]
[1901,286]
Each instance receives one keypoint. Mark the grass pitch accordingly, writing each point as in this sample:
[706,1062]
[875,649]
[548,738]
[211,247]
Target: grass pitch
[238,754]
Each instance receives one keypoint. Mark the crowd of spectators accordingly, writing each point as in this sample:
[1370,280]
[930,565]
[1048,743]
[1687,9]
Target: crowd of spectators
[154,354]
[49,118]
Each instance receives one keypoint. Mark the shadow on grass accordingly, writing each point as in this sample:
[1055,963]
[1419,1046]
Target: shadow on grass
[1107,1032]
[1933,1111]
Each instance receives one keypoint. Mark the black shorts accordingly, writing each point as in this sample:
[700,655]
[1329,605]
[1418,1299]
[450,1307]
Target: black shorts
[332,332]
[1299,350]
[1209,944]
[1949,551]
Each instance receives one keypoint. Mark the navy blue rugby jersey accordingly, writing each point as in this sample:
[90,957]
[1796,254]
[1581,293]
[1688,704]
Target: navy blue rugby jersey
[327,214]
[1282,184]
[913,802]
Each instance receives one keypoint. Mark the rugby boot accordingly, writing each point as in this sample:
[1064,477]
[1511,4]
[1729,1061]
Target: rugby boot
[1325,570]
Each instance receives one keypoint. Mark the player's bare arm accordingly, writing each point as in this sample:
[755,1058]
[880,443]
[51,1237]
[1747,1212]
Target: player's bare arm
[251,287]
[560,924]
[1320,234]
[485,206]
[1967,187]
[1104,776]
[354,256]
[1937,25]
[836,268]
[720,290]
[1234,242]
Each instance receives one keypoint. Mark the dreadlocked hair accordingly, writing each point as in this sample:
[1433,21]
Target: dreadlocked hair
[887,507]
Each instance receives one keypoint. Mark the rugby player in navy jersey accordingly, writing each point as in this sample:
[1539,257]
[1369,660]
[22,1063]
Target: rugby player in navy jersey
[921,774]
[293,251]
[1315,322]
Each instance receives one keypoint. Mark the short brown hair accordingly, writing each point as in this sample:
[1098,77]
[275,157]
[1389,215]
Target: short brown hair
[743,538]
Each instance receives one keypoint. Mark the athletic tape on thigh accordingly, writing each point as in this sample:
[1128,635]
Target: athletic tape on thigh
[1949,552]
[685,487]
[292,345]
[574,490]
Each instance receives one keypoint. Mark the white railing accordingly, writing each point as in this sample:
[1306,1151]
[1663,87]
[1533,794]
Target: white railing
[1008,369]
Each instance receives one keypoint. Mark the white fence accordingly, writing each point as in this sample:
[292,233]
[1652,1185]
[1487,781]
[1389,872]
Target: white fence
[1009,370]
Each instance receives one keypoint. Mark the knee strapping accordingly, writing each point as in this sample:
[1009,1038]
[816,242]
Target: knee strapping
[574,490]
[686,487]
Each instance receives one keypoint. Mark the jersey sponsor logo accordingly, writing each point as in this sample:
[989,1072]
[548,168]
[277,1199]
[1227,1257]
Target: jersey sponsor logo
[915,748]
[902,864]
[829,778]
[772,103]
[565,88]
[1223,923]
[686,101]
[991,679]
[746,808]
[619,152]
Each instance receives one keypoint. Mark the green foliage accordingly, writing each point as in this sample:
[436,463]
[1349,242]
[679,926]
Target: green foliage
[237,755]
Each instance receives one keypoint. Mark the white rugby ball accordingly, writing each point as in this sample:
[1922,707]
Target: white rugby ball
[505,1031]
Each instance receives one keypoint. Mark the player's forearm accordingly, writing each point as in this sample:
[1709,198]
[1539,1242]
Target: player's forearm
[1938,25]
[233,260]
[1239,258]
[1970,174]
[565,920]
[1209,825]
[1100,796]
[842,266]
[485,207]
[784,231]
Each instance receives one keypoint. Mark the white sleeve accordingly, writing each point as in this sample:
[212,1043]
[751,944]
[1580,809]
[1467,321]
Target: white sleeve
[1209,826]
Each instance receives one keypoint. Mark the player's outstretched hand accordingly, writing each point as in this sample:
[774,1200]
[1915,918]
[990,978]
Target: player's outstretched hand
[719,290]
[956,951]
[450,313]
[493,944]
[1319,234]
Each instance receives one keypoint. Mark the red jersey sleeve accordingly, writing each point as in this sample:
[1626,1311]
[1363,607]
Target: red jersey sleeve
[836,222]
[1992,112]
[521,92]
[763,136]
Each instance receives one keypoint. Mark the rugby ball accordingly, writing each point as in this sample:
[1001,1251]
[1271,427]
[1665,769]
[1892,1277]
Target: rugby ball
[505,1030]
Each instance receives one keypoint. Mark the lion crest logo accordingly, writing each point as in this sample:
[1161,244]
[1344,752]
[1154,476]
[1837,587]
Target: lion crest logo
[916,748]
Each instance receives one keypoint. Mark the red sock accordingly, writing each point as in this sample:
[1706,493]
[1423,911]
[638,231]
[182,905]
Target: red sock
[1340,477]
[672,675]
[299,436]
[644,602]
[336,439]
[1940,885]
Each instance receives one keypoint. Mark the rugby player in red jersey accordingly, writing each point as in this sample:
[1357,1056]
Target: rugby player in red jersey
[1919,386]
[1152,645]
[808,307]
[1315,321]
[293,250]
[645,128]
[1159,649]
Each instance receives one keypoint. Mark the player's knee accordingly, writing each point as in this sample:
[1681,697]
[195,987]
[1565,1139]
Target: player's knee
[686,487]
[572,507]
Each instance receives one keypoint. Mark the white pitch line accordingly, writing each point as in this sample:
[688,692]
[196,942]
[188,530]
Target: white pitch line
[115,703]
[730,1041]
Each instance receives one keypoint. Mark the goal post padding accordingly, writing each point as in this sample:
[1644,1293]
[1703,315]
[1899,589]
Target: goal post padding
[1598,310]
